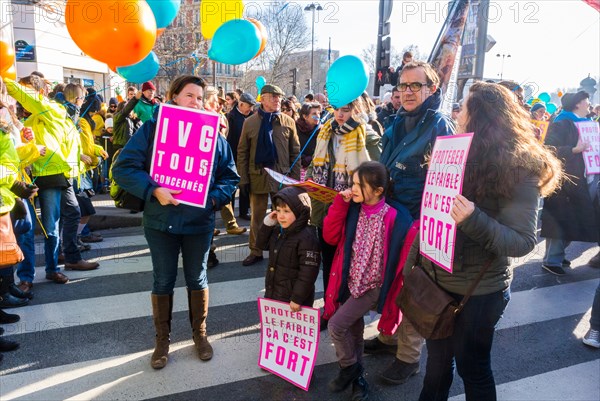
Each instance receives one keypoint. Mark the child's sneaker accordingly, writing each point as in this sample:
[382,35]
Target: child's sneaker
[592,338]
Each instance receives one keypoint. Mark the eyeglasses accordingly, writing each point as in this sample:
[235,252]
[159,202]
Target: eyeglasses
[80,98]
[414,86]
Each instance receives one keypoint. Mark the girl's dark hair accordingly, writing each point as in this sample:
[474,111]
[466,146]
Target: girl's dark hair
[503,143]
[375,175]
[181,81]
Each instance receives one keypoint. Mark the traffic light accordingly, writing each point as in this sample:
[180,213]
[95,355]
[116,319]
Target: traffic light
[308,84]
[384,55]
[294,81]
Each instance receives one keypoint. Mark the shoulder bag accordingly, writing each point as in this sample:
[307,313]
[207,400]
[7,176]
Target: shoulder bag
[430,309]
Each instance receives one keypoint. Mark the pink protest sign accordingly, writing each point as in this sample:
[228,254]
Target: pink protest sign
[289,341]
[184,150]
[444,181]
[590,132]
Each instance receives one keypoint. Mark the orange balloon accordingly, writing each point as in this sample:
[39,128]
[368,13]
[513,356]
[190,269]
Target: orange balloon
[263,35]
[7,56]
[159,32]
[560,94]
[116,32]
[10,73]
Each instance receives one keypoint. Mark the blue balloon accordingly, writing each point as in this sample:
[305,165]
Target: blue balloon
[141,72]
[164,11]
[235,42]
[347,79]
[551,107]
[260,82]
[544,97]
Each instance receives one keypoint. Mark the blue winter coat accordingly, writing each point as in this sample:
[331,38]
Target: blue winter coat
[130,172]
[405,158]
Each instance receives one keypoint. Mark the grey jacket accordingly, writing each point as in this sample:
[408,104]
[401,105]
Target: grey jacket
[511,233]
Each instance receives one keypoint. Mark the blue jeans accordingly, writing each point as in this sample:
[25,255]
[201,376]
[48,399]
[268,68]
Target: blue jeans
[70,216]
[164,250]
[555,251]
[595,318]
[49,199]
[26,241]
[469,347]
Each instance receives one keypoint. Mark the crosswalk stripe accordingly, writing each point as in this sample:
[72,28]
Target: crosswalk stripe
[111,307]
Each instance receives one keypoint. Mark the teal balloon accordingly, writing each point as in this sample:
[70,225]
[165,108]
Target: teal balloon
[141,72]
[164,11]
[544,97]
[260,82]
[235,42]
[347,79]
[551,107]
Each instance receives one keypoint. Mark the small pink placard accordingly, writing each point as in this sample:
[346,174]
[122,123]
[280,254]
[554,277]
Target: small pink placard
[289,341]
[184,151]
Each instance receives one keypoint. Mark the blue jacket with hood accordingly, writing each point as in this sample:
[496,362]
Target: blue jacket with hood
[404,153]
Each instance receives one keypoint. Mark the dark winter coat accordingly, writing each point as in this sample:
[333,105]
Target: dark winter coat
[124,126]
[294,252]
[235,120]
[569,214]
[386,115]
[304,135]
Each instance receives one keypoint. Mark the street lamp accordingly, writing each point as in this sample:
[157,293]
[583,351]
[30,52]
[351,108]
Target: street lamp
[312,7]
[502,69]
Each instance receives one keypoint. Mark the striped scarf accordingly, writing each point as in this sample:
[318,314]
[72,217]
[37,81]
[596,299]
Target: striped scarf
[350,153]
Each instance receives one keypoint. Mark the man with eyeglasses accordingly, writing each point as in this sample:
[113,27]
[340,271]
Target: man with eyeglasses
[268,139]
[406,142]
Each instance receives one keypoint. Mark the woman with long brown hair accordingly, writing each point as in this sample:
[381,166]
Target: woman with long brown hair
[507,170]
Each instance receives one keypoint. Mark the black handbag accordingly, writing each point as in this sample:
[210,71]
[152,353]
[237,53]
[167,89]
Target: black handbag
[428,307]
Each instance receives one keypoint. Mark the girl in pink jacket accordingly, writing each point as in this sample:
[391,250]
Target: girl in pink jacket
[362,278]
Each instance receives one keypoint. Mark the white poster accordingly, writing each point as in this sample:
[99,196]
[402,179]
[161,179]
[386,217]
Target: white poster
[444,181]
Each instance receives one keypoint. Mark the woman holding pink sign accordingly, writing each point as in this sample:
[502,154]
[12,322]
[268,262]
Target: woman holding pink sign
[172,228]
[506,171]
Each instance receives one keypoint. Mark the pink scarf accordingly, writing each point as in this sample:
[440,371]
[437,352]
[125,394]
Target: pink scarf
[366,264]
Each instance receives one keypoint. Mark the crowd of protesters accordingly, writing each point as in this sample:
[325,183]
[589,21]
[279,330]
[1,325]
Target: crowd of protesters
[59,143]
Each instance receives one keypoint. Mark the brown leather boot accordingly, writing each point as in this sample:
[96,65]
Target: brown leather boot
[198,309]
[162,306]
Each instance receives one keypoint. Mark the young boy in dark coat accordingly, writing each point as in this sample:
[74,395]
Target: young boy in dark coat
[294,252]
